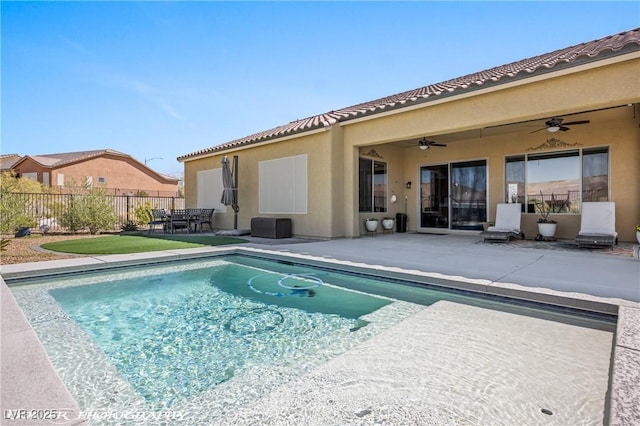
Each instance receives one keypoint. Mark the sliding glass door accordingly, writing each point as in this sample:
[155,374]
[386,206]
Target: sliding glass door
[468,195]
[454,196]
[434,196]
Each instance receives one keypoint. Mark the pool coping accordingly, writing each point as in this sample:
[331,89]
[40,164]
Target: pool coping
[624,388]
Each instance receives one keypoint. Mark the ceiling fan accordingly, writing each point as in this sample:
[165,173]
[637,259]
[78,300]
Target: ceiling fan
[425,144]
[554,124]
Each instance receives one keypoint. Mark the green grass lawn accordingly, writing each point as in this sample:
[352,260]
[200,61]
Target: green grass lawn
[122,244]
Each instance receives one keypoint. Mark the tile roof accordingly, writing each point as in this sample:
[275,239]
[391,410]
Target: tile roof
[571,56]
[61,159]
[57,160]
[8,160]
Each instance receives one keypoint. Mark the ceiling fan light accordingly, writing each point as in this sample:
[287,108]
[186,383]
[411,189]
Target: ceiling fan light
[424,146]
[553,129]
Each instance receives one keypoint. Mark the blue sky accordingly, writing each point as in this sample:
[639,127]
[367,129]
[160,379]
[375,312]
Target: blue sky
[163,79]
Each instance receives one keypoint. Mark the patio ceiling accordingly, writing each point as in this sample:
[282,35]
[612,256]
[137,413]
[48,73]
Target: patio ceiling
[595,117]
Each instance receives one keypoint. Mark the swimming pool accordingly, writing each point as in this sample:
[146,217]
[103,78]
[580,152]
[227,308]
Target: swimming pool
[144,339]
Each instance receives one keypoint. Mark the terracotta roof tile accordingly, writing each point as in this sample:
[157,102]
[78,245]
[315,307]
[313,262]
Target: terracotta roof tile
[570,56]
[70,157]
[8,160]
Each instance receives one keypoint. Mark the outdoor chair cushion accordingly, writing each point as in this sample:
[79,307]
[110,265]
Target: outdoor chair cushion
[507,223]
[598,224]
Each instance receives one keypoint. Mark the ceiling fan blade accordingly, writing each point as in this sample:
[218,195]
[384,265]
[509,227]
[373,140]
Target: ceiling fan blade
[544,128]
[564,128]
[438,144]
[572,123]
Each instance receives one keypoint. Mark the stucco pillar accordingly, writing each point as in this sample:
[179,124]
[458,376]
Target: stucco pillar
[350,203]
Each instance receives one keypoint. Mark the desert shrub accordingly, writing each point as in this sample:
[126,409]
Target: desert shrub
[14,205]
[142,213]
[90,209]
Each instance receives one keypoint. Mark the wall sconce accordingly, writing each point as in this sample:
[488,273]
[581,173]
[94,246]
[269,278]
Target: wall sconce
[408,185]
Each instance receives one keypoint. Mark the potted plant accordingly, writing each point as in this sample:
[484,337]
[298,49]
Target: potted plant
[638,233]
[546,225]
[371,223]
[387,223]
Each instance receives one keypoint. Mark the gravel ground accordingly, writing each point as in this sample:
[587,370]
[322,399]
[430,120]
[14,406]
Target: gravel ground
[22,250]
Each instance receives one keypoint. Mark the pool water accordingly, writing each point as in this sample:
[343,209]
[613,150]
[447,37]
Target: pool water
[213,339]
[178,334]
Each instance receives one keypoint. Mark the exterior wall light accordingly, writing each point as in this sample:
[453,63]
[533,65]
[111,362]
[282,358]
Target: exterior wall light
[408,185]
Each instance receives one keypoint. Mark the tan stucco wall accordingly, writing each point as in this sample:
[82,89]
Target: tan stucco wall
[621,135]
[333,154]
[594,88]
[324,186]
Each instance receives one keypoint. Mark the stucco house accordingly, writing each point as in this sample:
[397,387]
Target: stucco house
[118,172]
[561,126]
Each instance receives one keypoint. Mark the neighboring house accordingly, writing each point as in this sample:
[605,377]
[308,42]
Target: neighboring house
[7,161]
[118,172]
[330,171]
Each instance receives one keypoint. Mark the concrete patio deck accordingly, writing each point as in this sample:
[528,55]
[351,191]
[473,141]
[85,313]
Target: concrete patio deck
[502,268]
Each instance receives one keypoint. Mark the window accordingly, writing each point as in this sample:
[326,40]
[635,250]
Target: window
[595,174]
[30,175]
[554,179]
[61,179]
[283,185]
[209,190]
[372,185]
[515,180]
[101,180]
[561,180]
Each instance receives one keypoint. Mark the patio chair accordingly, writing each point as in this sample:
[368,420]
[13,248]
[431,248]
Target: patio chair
[178,219]
[157,217]
[206,217]
[507,224]
[598,225]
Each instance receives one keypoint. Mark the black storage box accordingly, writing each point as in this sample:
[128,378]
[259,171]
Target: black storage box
[271,227]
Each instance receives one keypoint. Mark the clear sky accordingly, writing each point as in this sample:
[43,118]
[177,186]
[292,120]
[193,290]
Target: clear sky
[164,79]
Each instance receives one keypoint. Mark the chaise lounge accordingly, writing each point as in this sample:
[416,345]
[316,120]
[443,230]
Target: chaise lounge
[507,223]
[598,225]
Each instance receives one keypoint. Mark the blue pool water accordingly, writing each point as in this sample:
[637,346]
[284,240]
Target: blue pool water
[177,332]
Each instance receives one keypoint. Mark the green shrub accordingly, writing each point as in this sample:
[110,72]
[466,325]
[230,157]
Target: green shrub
[129,226]
[91,209]
[142,213]
[14,205]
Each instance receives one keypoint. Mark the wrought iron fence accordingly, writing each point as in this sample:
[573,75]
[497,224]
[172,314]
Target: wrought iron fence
[45,208]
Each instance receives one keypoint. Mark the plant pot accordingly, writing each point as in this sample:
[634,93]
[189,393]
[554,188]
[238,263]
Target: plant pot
[387,224]
[547,230]
[371,225]
[638,236]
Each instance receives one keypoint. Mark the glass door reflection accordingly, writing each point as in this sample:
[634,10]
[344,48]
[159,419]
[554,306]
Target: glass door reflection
[468,195]
[434,196]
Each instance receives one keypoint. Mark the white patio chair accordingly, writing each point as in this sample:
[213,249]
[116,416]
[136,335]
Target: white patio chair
[598,225]
[507,224]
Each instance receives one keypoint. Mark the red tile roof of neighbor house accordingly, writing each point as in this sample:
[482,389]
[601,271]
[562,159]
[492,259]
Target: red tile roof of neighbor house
[8,160]
[64,158]
[60,159]
[595,50]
